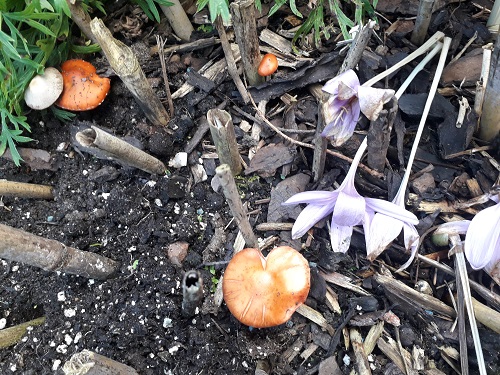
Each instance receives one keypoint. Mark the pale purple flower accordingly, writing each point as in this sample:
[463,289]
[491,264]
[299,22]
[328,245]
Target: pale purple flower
[482,237]
[347,99]
[378,240]
[347,206]
[482,241]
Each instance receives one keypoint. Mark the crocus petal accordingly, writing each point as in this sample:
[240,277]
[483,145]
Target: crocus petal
[346,92]
[309,216]
[342,127]
[317,197]
[481,240]
[383,230]
[412,240]
[349,77]
[392,210]
[458,227]
[340,237]
[349,209]
[372,100]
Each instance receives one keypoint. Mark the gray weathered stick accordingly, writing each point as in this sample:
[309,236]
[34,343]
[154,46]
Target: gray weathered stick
[245,31]
[222,131]
[231,63]
[357,47]
[81,18]
[490,116]
[422,22]
[90,363]
[120,150]
[12,335]
[51,255]
[124,62]
[178,19]
[234,202]
[24,190]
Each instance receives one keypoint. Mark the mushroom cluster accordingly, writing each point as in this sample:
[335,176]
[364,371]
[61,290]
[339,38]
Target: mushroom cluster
[78,88]
[265,291]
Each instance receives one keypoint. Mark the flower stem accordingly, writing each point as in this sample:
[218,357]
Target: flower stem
[419,51]
[432,92]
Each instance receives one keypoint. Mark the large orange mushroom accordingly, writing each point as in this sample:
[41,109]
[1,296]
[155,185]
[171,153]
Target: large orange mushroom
[265,291]
[83,88]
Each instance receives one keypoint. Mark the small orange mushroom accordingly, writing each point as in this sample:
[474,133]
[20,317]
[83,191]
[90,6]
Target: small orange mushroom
[83,88]
[265,291]
[268,65]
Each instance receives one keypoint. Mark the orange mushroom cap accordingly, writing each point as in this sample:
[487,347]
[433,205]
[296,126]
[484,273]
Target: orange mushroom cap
[268,65]
[83,88]
[265,291]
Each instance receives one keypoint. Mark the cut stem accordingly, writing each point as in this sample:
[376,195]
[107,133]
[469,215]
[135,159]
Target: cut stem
[124,62]
[422,22]
[178,19]
[233,200]
[224,137]
[90,363]
[419,51]
[119,150]
[24,190]
[245,31]
[399,198]
[50,255]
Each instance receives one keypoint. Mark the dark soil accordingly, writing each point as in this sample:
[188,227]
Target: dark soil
[131,217]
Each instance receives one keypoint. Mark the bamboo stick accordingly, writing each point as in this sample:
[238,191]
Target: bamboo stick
[24,190]
[124,62]
[50,255]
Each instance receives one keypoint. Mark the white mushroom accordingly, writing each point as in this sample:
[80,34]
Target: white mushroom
[44,89]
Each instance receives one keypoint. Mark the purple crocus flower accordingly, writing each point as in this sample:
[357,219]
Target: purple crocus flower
[347,206]
[378,240]
[482,241]
[482,237]
[347,99]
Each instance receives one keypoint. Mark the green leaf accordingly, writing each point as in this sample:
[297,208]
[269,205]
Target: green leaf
[294,9]
[277,5]
[93,48]
[40,27]
[154,10]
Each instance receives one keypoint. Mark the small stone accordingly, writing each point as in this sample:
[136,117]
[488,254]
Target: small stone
[179,160]
[176,252]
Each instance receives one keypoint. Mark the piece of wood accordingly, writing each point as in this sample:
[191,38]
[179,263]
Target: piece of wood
[362,364]
[344,282]
[87,362]
[12,335]
[50,255]
[400,292]
[126,65]
[119,150]
[230,60]
[276,41]
[233,200]
[245,32]
[224,137]
[25,190]
[315,316]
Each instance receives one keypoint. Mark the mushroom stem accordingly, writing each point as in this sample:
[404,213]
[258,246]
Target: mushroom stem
[51,255]
[120,150]
[124,62]
[233,199]
[24,190]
